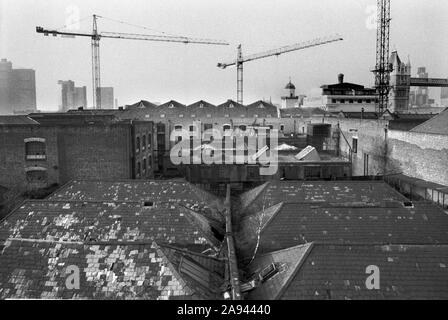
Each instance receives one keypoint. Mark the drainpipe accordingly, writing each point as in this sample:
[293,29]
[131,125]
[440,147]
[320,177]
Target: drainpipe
[233,263]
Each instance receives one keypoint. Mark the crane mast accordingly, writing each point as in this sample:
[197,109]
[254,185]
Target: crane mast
[382,67]
[240,60]
[96,37]
[96,66]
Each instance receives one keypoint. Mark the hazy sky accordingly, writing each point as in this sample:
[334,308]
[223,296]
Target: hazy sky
[163,71]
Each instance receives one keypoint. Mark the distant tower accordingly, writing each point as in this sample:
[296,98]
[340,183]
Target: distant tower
[290,100]
[400,84]
[422,94]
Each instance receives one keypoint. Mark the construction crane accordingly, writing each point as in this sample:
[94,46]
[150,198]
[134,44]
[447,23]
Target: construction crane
[240,60]
[382,68]
[96,37]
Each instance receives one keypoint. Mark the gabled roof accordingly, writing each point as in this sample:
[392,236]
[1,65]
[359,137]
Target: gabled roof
[180,192]
[296,224]
[142,104]
[288,260]
[201,104]
[172,103]
[91,222]
[318,192]
[38,270]
[436,125]
[16,120]
[338,272]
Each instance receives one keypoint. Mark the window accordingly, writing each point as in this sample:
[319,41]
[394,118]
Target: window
[162,116]
[171,106]
[342,101]
[355,145]
[360,101]
[243,127]
[193,116]
[143,142]
[149,162]
[351,101]
[36,175]
[255,115]
[231,105]
[368,101]
[35,149]
[139,169]
[209,115]
[268,272]
[208,126]
[192,128]
[282,127]
[181,116]
[178,128]
[201,105]
[144,165]
[226,127]
[137,145]
[227,115]
[334,101]
[149,141]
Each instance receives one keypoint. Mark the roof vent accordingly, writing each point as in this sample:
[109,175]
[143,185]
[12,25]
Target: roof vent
[268,272]
[148,204]
[408,204]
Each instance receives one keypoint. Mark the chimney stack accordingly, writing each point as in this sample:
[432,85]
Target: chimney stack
[341,78]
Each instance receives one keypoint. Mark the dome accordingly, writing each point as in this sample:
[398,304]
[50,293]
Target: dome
[290,86]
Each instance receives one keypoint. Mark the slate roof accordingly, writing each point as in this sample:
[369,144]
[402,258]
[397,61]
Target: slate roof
[293,224]
[180,192]
[338,272]
[77,221]
[39,270]
[4,120]
[436,125]
[301,112]
[348,192]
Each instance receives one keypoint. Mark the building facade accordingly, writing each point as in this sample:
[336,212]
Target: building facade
[348,97]
[72,97]
[107,97]
[34,156]
[17,89]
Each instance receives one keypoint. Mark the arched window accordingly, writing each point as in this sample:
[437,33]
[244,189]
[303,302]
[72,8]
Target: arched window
[35,149]
[243,127]
[178,128]
[226,127]
[144,165]
[139,169]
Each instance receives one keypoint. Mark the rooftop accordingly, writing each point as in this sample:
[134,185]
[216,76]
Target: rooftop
[436,125]
[338,272]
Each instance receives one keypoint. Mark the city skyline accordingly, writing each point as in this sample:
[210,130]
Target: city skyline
[160,72]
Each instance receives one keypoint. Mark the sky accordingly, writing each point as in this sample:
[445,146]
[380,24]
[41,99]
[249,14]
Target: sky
[159,72]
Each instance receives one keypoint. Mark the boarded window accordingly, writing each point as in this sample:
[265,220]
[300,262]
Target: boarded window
[36,176]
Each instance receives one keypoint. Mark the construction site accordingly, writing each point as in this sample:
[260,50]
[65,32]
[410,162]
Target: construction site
[237,200]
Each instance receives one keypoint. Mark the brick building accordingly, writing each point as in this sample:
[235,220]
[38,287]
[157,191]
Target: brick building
[61,147]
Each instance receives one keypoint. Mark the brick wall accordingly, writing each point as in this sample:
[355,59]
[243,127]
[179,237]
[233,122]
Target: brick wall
[13,161]
[417,155]
[95,152]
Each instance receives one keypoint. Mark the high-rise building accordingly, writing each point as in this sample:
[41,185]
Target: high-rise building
[107,97]
[17,89]
[72,97]
[444,97]
[422,94]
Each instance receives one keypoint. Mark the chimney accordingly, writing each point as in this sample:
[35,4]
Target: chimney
[341,78]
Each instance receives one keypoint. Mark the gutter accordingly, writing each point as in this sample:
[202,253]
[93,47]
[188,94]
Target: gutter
[231,253]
